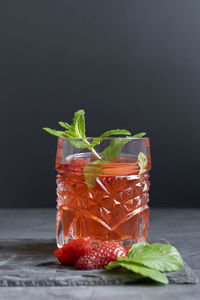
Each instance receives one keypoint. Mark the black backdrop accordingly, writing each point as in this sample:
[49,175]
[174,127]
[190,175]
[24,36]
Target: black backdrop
[132,64]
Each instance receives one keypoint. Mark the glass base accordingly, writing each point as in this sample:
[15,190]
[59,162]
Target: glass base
[132,230]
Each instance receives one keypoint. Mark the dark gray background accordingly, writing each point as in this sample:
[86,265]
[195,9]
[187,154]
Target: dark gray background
[133,64]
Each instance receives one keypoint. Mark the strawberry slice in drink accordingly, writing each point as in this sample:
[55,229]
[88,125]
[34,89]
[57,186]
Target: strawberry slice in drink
[120,169]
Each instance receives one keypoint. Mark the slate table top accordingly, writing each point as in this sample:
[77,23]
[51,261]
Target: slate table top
[34,226]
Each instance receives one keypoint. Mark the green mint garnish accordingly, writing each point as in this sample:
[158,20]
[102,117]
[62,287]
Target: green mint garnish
[142,162]
[91,173]
[145,272]
[109,133]
[75,131]
[57,133]
[161,257]
[116,145]
[150,260]
[77,137]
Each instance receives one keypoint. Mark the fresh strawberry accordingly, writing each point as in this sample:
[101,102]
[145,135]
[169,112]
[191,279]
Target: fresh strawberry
[70,252]
[99,256]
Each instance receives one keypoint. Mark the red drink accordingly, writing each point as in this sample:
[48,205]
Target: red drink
[115,208]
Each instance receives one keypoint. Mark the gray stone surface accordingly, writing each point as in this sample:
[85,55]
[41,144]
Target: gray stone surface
[126,292]
[30,262]
[180,227]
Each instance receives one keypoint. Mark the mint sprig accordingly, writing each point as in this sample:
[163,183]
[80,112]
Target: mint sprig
[145,272]
[77,137]
[150,260]
[115,147]
[161,257]
[77,131]
[108,133]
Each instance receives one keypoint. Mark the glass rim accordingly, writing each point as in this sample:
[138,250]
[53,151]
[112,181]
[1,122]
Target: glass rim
[106,138]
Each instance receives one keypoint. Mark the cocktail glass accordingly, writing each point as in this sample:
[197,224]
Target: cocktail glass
[107,201]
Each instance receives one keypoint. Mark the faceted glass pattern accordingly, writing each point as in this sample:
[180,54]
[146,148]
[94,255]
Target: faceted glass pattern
[116,208]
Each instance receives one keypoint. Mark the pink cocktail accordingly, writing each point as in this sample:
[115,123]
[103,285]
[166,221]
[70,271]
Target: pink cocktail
[107,201]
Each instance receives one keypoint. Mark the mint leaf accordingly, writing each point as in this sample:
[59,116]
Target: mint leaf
[69,134]
[138,269]
[78,124]
[114,148]
[81,125]
[116,145]
[136,245]
[113,265]
[91,172]
[139,135]
[109,133]
[115,132]
[79,143]
[142,162]
[145,272]
[64,125]
[149,260]
[161,257]
[55,132]
[95,142]
[75,132]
